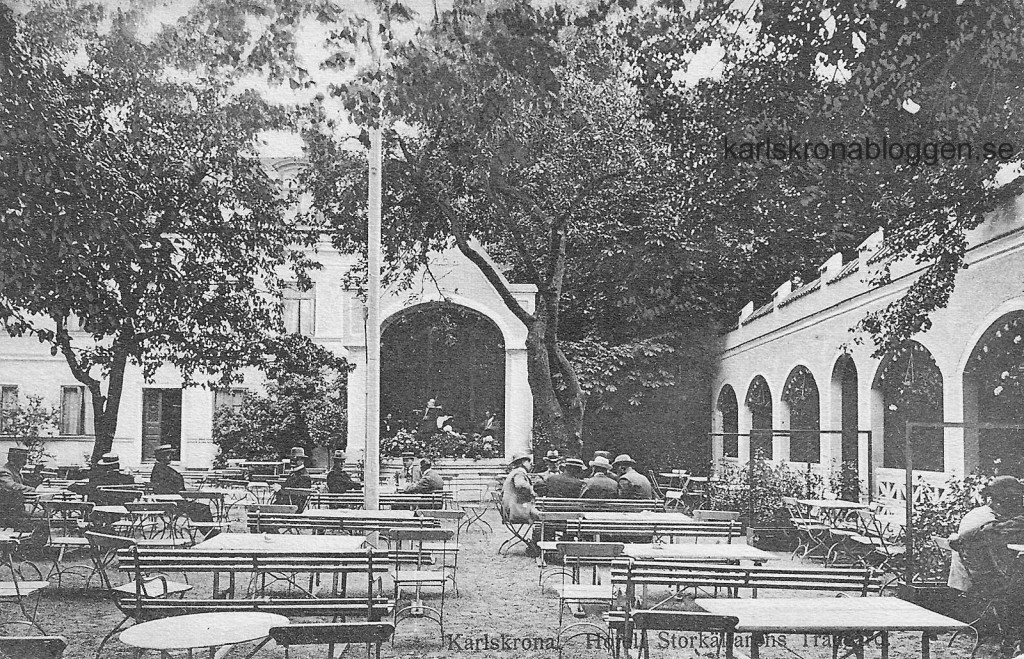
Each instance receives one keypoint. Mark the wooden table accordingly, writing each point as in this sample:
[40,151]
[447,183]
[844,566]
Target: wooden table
[698,552]
[644,516]
[859,619]
[359,513]
[202,630]
[299,544]
[831,509]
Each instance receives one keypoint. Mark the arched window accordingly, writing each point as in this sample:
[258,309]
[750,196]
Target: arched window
[994,392]
[911,385]
[759,402]
[844,401]
[730,411]
[801,393]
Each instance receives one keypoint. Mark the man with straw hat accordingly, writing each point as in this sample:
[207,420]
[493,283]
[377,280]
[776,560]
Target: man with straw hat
[632,484]
[600,485]
[551,462]
[107,473]
[566,484]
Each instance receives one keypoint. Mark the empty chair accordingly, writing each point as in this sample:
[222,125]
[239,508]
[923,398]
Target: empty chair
[418,577]
[333,633]
[577,555]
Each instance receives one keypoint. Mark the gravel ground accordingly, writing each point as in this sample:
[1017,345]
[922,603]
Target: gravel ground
[499,605]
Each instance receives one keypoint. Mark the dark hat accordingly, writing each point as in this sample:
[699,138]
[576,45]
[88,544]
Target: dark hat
[426,462]
[552,456]
[297,452]
[109,460]
[624,459]
[574,462]
[1003,486]
[17,452]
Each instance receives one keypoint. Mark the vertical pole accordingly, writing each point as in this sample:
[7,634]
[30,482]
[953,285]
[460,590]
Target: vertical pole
[371,470]
[908,459]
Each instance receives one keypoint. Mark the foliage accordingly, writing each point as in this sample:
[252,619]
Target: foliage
[305,404]
[30,425]
[139,224]
[837,71]
[756,489]
[441,445]
[940,515]
[844,480]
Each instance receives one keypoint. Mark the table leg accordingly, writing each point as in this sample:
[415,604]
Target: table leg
[925,648]
[755,645]
[885,645]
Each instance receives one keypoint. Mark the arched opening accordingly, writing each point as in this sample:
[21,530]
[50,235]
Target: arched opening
[448,353]
[911,386]
[800,393]
[844,386]
[728,407]
[994,392]
[759,404]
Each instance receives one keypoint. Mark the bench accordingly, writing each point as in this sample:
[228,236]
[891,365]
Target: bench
[430,501]
[260,522]
[555,505]
[642,572]
[648,529]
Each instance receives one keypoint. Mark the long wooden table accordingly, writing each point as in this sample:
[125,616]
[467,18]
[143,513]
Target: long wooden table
[702,552]
[282,543]
[857,619]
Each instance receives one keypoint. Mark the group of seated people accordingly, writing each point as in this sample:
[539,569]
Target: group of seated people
[564,478]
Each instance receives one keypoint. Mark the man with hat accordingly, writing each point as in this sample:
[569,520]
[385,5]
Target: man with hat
[166,480]
[607,455]
[600,485]
[338,480]
[517,497]
[298,479]
[632,484]
[410,473]
[13,490]
[566,484]
[430,480]
[551,462]
[982,564]
[107,473]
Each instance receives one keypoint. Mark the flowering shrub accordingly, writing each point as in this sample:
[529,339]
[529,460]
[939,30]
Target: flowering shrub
[769,482]
[440,445]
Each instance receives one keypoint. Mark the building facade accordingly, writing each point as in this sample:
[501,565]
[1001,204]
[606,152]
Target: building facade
[794,382]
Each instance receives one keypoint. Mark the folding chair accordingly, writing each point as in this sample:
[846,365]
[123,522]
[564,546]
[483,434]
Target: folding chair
[876,548]
[17,589]
[575,555]
[66,522]
[418,577]
[522,532]
[683,621]
[32,647]
[814,539]
[333,633]
[103,551]
[455,517]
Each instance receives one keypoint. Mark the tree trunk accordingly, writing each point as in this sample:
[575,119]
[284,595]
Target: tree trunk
[107,408]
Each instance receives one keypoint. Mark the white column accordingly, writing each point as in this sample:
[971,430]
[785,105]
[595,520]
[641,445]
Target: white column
[953,408]
[518,403]
[717,441]
[872,416]
[744,422]
[357,405]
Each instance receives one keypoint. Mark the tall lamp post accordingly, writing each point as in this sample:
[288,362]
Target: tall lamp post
[371,471]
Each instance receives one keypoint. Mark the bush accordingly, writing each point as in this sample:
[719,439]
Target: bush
[768,482]
[940,515]
[30,425]
[440,445]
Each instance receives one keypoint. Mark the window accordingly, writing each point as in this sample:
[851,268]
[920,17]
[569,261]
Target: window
[298,310]
[8,402]
[72,410]
[228,398]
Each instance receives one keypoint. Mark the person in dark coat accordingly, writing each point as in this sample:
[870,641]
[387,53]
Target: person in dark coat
[166,480]
[632,484]
[567,484]
[600,485]
[13,490]
[338,480]
[298,479]
[107,473]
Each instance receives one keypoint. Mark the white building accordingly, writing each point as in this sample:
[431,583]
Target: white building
[793,364]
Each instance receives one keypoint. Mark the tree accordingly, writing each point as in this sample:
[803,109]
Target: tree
[838,72]
[30,425]
[524,138]
[139,225]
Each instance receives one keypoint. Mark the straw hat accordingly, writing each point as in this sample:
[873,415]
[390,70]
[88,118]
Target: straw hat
[339,454]
[109,460]
[574,462]
[519,457]
[552,456]
[624,459]
[164,448]
[600,462]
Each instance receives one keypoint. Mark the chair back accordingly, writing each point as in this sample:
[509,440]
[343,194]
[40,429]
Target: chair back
[332,633]
[32,647]
[103,549]
[715,515]
[67,517]
[655,485]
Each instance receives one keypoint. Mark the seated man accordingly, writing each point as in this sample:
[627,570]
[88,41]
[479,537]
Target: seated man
[600,485]
[430,480]
[982,565]
[107,473]
[13,489]
[517,498]
[166,480]
[298,479]
[567,484]
[338,480]
[632,484]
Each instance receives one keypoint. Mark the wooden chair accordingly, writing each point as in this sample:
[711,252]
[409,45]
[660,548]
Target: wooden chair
[576,555]
[333,633]
[683,621]
[418,577]
[32,647]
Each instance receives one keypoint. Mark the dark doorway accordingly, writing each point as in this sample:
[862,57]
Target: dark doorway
[846,373]
[161,421]
[444,352]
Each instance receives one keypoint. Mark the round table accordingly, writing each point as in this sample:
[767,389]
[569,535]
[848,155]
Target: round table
[201,630]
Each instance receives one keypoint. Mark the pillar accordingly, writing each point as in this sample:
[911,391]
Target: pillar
[780,442]
[954,439]
[356,405]
[518,403]
[744,422]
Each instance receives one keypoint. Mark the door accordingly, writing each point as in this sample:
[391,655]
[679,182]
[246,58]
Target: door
[161,421]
